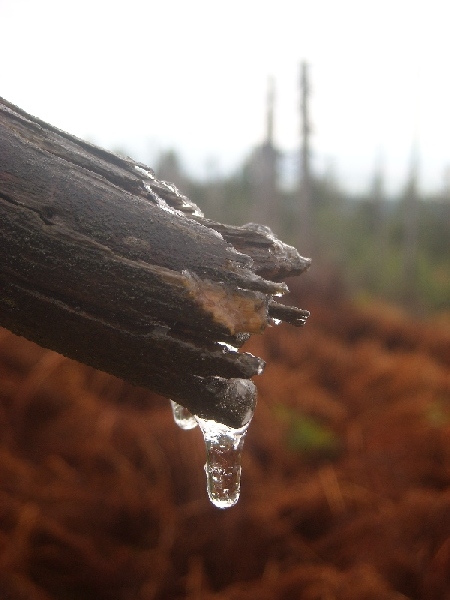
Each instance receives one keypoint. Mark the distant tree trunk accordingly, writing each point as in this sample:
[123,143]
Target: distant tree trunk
[380,230]
[305,223]
[264,174]
[264,186]
[410,237]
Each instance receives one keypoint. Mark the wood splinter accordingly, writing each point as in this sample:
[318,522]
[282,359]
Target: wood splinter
[106,264]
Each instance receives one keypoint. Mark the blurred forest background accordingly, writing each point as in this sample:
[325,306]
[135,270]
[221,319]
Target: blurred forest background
[395,248]
[346,468]
[346,465]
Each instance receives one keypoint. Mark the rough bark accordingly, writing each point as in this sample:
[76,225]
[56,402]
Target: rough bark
[106,264]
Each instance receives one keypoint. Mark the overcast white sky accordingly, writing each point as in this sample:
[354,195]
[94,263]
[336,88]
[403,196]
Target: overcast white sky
[193,75]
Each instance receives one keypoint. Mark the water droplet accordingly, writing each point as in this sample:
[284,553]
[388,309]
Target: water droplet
[145,172]
[197,213]
[227,347]
[223,461]
[261,366]
[170,186]
[182,417]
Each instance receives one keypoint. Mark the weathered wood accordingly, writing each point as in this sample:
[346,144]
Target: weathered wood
[104,263]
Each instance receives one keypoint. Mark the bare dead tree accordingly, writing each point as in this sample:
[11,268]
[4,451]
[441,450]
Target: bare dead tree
[304,183]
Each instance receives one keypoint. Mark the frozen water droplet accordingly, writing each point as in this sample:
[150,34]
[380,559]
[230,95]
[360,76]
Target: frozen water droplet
[197,213]
[182,417]
[261,366]
[145,172]
[223,461]
[227,347]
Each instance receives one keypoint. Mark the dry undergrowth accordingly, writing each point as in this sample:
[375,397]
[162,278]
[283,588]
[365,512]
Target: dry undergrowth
[346,484]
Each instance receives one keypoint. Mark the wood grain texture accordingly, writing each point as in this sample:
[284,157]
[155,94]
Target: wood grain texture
[106,264]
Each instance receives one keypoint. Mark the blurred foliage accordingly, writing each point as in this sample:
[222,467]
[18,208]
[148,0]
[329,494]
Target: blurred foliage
[307,435]
[363,237]
[438,414]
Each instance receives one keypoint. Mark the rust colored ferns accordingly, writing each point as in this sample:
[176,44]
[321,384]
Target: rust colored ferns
[346,484]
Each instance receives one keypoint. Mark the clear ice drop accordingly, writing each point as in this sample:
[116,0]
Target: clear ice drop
[182,417]
[223,461]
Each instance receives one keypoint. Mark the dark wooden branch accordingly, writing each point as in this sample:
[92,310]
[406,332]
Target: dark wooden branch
[104,263]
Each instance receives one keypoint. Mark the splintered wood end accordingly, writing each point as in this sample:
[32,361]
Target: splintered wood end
[240,311]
